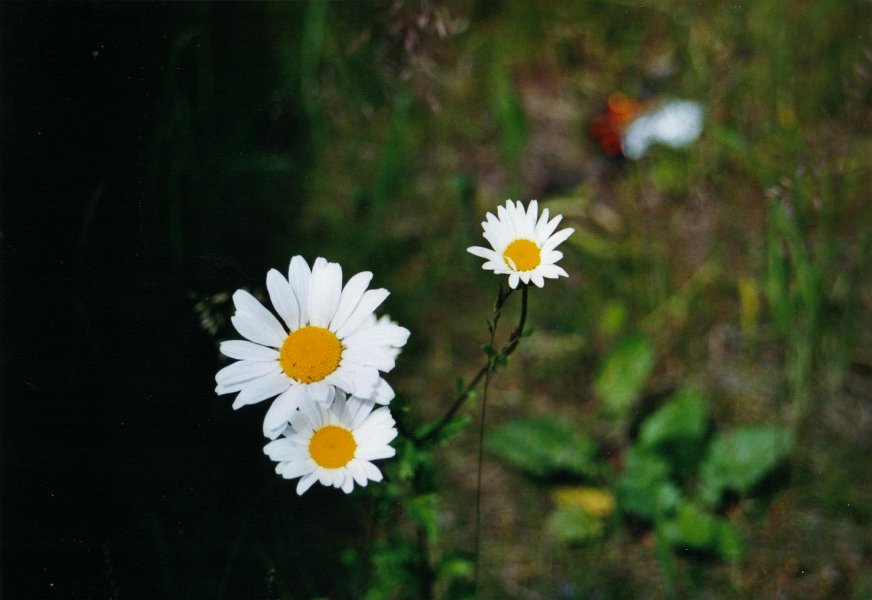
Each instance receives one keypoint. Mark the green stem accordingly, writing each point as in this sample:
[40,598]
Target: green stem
[491,365]
[477,545]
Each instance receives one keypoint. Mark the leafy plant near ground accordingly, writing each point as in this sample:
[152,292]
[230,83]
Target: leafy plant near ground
[676,476]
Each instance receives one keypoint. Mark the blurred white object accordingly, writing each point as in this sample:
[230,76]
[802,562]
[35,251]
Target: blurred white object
[676,123]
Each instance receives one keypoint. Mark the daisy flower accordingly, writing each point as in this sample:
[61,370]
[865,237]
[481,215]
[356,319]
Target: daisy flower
[334,444]
[330,339]
[522,246]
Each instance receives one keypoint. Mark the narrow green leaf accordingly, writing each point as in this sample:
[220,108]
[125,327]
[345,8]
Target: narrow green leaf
[455,426]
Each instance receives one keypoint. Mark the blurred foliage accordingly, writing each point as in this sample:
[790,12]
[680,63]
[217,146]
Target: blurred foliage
[623,373]
[543,447]
[674,476]
[737,460]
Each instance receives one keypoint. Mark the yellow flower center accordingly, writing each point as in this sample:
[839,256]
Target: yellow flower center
[522,255]
[332,447]
[310,354]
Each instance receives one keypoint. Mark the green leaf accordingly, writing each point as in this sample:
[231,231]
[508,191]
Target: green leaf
[682,417]
[623,374]
[393,571]
[453,566]
[737,460]
[730,545]
[454,426]
[692,527]
[543,446]
[677,432]
[411,460]
[571,524]
[423,509]
[644,488]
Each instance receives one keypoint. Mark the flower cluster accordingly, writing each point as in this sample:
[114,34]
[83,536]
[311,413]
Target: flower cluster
[321,361]
[322,365]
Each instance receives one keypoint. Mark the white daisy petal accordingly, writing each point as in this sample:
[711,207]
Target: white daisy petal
[540,225]
[298,278]
[483,252]
[261,389]
[357,472]
[306,482]
[557,239]
[370,300]
[283,299]
[247,304]
[325,289]
[350,298]
[363,378]
[383,392]
[548,228]
[280,450]
[371,471]
[551,257]
[281,410]
[370,357]
[255,330]
[245,350]
[320,392]
[553,271]
[244,370]
[376,452]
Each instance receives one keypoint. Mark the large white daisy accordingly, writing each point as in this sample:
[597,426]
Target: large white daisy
[522,245]
[334,444]
[330,338]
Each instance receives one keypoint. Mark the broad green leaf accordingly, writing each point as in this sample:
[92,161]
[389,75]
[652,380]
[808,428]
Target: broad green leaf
[677,432]
[682,417]
[623,374]
[543,446]
[696,528]
[644,488]
[571,524]
[737,460]
[692,527]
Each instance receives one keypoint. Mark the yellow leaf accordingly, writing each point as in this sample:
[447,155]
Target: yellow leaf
[595,501]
